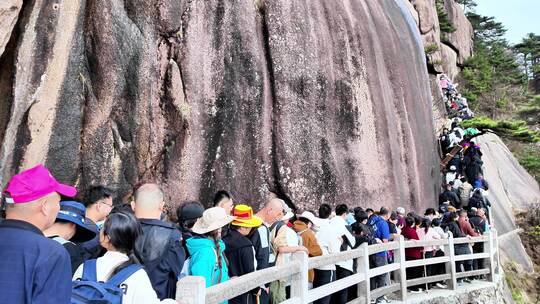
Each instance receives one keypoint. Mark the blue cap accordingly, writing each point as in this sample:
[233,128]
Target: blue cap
[75,213]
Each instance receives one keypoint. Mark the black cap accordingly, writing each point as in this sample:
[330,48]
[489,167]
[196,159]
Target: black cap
[190,211]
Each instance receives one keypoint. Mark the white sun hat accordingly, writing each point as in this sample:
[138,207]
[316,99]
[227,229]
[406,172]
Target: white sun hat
[287,212]
[311,217]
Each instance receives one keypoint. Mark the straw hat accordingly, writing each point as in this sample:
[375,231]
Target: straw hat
[244,217]
[212,219]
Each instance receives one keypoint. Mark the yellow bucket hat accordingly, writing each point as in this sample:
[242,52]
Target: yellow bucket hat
[244,217]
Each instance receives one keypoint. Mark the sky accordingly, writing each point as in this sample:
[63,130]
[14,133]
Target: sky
[518,16]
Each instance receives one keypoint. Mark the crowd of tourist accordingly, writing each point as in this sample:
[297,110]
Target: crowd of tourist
[464,186]
[456,105]
[55,248]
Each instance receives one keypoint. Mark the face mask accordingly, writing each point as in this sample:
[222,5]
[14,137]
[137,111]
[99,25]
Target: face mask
[350,219]
[100,224]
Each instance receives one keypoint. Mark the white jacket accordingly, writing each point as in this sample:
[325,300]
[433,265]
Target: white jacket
[338,223]
[137,290]
[329,240]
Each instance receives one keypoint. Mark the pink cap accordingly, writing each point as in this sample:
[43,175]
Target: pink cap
[35,183]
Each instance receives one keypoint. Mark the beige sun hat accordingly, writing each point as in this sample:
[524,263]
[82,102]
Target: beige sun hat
[212,219]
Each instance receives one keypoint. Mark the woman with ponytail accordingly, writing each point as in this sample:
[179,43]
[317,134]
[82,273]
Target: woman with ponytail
[118,236]
[206,247]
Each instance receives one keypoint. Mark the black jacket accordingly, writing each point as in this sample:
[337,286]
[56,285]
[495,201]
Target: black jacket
[478,223]
[479,202]
[77,255]
[160,250]
[260,238]
[453,227]
[241,256]
[92,248]
[473,168]
[451,196]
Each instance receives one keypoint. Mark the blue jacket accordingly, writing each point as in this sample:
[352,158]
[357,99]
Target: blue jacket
[203,260]
[380,230]
[33,268]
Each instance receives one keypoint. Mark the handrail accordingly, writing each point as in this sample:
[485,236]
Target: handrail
[466,240]
[191,289]
[376,248]
[323,260]
[416,243]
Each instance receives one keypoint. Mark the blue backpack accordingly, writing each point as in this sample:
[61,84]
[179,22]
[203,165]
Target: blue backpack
[88,290]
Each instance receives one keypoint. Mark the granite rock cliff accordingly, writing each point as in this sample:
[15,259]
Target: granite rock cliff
[305,99]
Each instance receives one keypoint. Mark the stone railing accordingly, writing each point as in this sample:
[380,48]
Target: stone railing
[192,289]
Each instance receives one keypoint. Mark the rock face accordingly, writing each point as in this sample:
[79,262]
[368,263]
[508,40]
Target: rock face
[443,55]
[9,11]
[300,98]
[450,61]
[446,55]
[511,187]
[461,41]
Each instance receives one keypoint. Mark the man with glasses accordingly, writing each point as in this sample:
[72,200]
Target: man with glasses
[99,203]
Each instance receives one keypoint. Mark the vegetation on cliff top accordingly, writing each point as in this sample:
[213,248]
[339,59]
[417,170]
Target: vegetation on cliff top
[516,129]
[444,23]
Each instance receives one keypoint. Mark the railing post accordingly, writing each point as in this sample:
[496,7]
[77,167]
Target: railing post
[451,265]
[299,282]
[191,290]
[491,260]
[402,272]
[363,267]
[497,252]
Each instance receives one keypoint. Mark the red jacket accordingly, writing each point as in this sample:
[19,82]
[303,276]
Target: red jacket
[466,227]
[410,234]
